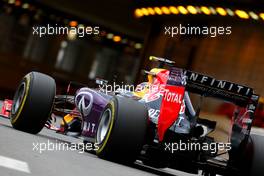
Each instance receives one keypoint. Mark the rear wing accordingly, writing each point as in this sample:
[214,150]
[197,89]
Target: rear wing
[210,87]
[204,85]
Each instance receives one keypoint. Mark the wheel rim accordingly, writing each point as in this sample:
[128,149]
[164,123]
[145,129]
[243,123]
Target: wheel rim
[104,125]
[18,97]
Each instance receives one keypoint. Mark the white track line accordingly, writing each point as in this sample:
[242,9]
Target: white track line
[14,164]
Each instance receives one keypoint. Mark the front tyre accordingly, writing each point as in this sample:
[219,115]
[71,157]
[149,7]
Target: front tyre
[33,102]
[122,130]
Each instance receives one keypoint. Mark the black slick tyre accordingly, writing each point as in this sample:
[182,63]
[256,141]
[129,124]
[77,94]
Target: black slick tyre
[122,130]
[33,102]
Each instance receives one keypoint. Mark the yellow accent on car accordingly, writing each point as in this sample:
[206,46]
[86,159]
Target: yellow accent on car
[101,147]
[68,118]
[141,93]
[14,119]
[151,78]
[156,71]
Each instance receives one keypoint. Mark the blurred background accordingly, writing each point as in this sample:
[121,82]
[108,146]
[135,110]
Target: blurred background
[114,53]
[130,31]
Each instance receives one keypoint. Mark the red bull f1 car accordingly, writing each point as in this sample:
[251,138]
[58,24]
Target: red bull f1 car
[151,123]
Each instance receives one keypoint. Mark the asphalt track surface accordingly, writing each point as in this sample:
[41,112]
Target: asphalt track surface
[19,157]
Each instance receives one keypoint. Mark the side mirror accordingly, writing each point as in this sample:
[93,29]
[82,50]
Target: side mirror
[99,81]
[145,72]
[162,61]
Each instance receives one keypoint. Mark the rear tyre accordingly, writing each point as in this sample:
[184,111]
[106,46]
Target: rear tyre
[33,102]
[122,130]
[250,157]
[257,168]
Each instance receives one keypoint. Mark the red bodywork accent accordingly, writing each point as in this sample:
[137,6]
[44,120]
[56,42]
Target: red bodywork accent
[228,109]
[170,108]
[6,109]
[171,101]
